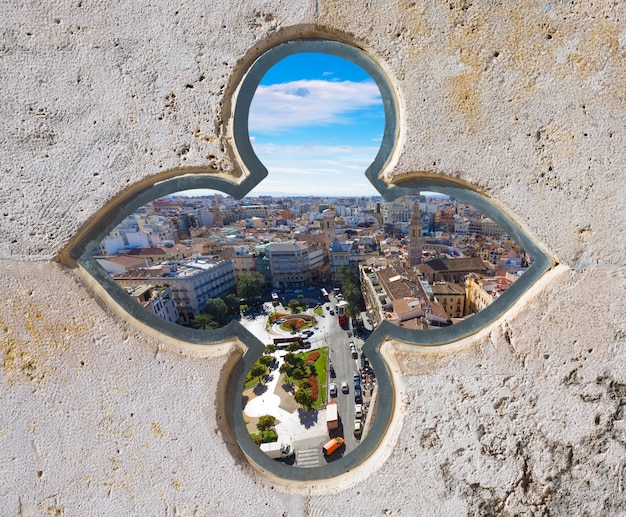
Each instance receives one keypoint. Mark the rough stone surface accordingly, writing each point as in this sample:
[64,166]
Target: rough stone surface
[525,101]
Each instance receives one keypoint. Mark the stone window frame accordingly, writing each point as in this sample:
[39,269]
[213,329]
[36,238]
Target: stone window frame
[77,255]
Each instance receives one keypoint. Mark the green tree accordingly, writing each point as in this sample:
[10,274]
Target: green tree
[258,370]
[265,360]
[205,322]
[293,346]
[270,348]
[216,308]
[352,292]
[304,397]
[232,303]
[249,285]
[293,305]
[352,310]
[305,383]
[297,374]
[291,359]
[266,423]
[346,276]
[351,289]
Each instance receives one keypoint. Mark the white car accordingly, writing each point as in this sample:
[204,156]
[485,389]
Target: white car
[344,387]
[358,427]
[332,390]
[358,411]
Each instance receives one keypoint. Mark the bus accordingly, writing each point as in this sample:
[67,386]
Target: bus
[341,312]
[283,342]
[325,294]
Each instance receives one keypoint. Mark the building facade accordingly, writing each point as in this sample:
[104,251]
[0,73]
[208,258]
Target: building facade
[191,283]
[290,266]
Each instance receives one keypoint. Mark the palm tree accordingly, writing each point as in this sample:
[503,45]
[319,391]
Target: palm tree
[205,322]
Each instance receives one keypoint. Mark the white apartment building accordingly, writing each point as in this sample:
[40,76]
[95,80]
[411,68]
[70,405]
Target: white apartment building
[111,245]
[191,283]
[396,212]
[157,299]
[290,265]
[244,262]
[261,211]
[349,254]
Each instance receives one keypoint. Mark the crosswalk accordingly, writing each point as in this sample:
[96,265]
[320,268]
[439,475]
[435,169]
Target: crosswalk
[308,458]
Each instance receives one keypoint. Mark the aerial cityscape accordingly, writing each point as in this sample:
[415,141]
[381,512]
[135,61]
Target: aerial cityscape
[310,277]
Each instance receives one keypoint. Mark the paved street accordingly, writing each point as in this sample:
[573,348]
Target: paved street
[307,430]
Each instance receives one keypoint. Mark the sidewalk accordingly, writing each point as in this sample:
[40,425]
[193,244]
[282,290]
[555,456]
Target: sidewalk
[294,423]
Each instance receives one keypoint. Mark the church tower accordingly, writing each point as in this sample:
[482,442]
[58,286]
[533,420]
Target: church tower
[218,220]
[415,236]
[328,227]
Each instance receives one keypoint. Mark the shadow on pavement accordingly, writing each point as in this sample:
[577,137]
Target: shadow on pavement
[335,455]
[259,389]
[288,387]
[308,417]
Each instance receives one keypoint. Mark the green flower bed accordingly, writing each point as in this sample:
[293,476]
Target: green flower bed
[321,364]
[264,437]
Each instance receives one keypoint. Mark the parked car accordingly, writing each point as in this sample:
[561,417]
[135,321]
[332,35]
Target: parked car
[358,397]
[344,387]
[332,445]
[357,383]
[332,389]
[358,411]
[358,427]
[356,375]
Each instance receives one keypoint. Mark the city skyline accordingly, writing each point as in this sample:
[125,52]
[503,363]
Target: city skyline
[212,192]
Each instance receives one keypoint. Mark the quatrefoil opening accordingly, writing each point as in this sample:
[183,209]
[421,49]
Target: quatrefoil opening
[80,253]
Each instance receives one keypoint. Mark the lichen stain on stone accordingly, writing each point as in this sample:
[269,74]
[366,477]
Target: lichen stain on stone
[530,41]
[18,363]
[157,429]
[422,363]
[30,337]
[469,37]
[465,89]
[52,511]
[597,49]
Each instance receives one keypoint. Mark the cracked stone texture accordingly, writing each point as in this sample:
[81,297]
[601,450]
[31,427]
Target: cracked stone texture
[525,101]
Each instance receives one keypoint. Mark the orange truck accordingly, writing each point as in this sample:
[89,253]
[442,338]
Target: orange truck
[332,445]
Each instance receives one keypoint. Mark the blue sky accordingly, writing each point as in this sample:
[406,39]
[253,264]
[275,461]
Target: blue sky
[316,123]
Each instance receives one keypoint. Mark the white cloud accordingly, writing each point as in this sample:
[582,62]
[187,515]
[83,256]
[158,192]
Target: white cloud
[304,170]
[303,103]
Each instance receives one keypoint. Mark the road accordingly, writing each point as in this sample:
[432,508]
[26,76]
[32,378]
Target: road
[340,355]
[328,333]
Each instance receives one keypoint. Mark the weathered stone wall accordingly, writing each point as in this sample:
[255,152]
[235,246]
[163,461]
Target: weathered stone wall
[523,100]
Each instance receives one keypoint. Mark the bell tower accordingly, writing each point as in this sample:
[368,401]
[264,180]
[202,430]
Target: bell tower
[328,227]
[415,236]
